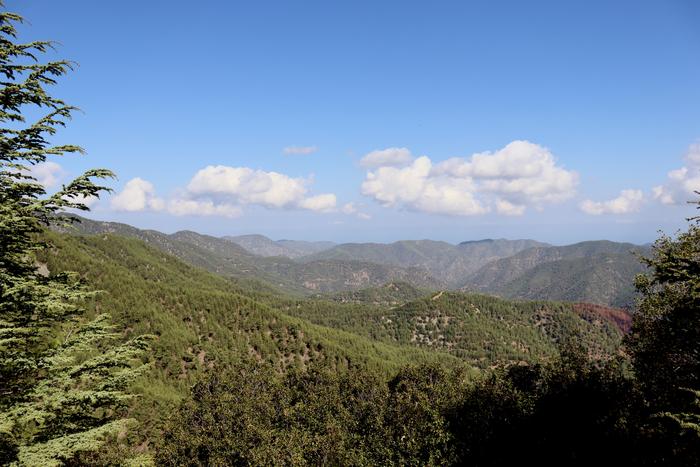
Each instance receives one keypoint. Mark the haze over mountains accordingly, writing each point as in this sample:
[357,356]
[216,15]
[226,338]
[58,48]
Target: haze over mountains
[263,246]
[600,272]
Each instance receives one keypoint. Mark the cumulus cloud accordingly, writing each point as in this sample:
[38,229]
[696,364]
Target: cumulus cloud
[137,195]
[390,157]
[418,188]
[628,201]
[242,185]
[225,191]
[519,175]
[681,183]
[248,186]
[299,150]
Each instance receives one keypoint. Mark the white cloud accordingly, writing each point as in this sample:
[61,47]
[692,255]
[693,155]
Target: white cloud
[185,207]
[681,183]
[243,186]
[628,201]
[48,174]
[89,201]
[364,216]
[299,150]
[521,172]
[519,175]
[390,157]
[224,191]
[137,195]
[320,203]
[247,186]
[416,188]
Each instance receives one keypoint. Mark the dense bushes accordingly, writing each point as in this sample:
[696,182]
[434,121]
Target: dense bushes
[573,412]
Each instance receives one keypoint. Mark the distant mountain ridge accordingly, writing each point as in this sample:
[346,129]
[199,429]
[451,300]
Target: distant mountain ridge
[448,263]
[264,246]
[600,272]
[227,258]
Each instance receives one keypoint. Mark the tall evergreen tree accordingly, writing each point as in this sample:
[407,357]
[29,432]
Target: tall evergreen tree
[61,377]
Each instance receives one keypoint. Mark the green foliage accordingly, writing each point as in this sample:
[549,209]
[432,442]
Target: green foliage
[600,272]
[254,416]
[61,384]
[666,327]
[570,412]
[389,294]
[664,344]
[482,330]
[605,279]
[206,323]
[226,258]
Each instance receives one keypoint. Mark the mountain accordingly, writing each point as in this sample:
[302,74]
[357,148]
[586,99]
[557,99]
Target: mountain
[262,246]
[600,272]
[231,260]
[448,263]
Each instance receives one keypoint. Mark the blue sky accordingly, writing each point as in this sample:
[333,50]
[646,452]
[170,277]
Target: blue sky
[566,104]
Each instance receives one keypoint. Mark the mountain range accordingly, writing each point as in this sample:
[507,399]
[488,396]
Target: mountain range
[600,272]
[205,320]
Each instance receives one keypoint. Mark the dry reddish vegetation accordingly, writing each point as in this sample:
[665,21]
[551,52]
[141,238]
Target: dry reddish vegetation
[590,312]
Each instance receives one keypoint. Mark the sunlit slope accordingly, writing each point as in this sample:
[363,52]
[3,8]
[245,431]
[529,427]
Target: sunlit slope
[480,329]
[204,321]
[226,258]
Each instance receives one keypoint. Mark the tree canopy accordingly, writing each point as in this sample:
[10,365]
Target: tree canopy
[61,380]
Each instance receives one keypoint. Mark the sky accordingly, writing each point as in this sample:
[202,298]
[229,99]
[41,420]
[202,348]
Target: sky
[383,120]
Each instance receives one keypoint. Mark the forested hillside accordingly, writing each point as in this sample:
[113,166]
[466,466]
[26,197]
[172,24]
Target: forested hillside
[449,263]
[599,272]
[479,329]
[229,259]
[389,294]
[207,322]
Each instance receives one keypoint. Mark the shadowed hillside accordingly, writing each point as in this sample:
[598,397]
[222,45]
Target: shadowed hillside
[600,272]
[444,261]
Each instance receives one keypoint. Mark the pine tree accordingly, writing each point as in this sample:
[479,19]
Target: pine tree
[62,377]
